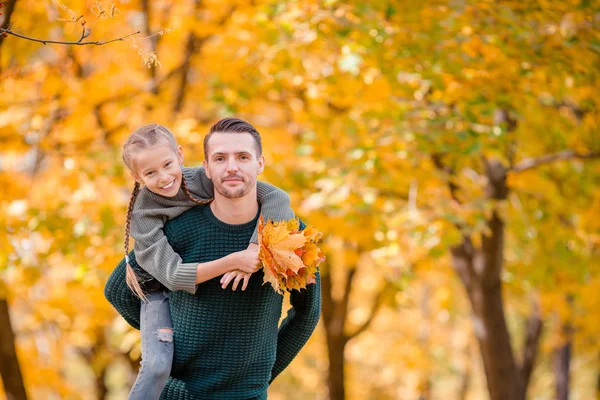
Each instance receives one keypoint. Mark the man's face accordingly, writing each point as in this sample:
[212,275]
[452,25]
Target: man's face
[233,164]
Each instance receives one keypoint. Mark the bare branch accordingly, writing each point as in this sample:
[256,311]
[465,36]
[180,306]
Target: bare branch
[193,47]
[78,43]
[147,11]
[343,308]
[377,303]
[437,161]
[463,257]
[533,162]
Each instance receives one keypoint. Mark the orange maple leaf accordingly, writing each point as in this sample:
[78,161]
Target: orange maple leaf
[290,257]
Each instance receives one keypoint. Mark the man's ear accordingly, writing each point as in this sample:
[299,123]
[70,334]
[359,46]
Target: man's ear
[261,164]
[180,155]
[205,165]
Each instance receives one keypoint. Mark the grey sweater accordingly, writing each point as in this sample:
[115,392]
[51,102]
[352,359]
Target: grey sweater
[152,250]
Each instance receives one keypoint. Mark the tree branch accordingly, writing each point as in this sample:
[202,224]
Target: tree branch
[78,43]
[343,309]
[193,46]
[374,309]
[8,10]
[529,163]
[530,350]
[437,161]
[153,40]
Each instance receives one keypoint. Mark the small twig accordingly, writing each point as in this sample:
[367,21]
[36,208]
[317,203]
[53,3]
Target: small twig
[78,43]
[85,32]
[529,163]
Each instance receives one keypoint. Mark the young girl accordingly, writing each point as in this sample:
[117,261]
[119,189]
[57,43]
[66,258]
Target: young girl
[155,160]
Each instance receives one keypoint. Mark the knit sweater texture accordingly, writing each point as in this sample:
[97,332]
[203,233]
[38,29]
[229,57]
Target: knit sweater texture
[228,344]
[154,254]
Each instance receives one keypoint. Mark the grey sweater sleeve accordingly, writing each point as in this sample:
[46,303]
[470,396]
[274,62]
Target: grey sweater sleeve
[275,205]
[152,250]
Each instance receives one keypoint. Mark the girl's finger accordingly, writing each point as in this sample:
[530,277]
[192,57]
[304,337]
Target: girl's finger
[238,278]
[225,276]
[227,280]
[246,280]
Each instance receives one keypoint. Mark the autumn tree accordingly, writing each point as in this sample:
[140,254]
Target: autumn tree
[416,136]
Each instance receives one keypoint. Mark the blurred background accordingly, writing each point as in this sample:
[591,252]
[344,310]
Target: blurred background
[447,149]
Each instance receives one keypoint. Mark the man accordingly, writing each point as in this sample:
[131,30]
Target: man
[228,344]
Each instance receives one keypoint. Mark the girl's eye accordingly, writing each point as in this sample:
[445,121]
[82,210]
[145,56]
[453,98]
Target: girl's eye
[168,163]
[149,173]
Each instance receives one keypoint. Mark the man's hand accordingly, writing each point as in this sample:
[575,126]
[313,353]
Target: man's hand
[236,277]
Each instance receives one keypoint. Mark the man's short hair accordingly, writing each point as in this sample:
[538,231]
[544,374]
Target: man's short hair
[234,125]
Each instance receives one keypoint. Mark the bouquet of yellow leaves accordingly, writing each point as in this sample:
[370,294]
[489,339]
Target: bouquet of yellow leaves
[289,256]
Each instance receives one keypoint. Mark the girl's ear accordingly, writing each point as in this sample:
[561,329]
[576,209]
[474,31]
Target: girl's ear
[180,155]
[136,178]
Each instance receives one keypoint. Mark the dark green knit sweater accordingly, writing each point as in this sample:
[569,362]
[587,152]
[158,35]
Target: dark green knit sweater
[227,343]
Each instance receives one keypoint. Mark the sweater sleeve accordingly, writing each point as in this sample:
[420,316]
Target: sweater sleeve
[156,255]
[121,297]
[298,325]
[275,205]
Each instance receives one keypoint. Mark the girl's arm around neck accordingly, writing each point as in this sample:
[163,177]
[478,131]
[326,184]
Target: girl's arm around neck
[275,205]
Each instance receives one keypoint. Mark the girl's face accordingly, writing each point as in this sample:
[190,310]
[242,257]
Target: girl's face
[159,168]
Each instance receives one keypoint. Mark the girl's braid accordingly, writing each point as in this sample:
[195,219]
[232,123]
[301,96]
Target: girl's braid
[130,276]
[187,192]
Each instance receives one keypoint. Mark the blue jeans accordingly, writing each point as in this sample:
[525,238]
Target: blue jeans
[156,329]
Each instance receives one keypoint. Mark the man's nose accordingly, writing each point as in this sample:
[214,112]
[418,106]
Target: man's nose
[231,166]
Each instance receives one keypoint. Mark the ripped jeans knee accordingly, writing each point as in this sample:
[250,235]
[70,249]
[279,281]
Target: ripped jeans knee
[157,334]
[165,335]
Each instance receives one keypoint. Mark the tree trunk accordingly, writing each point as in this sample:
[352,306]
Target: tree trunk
[465,380]
[336,346]
[598,380]
[480,270]
[562,364]
[10,371]
[334,321]
[335,314]
[494,342]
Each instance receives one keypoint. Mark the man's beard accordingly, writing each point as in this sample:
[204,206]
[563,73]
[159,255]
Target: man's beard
[233,193]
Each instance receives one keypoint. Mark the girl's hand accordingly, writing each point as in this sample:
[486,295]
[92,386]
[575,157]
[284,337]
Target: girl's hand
[235,276]
[246,260]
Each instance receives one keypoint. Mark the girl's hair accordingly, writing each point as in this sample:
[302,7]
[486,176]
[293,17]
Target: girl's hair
[141,139]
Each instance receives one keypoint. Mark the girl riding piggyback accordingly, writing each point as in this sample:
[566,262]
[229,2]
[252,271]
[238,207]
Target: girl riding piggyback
[164,189]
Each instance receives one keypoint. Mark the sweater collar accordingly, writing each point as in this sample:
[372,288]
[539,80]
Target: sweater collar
[229,227]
